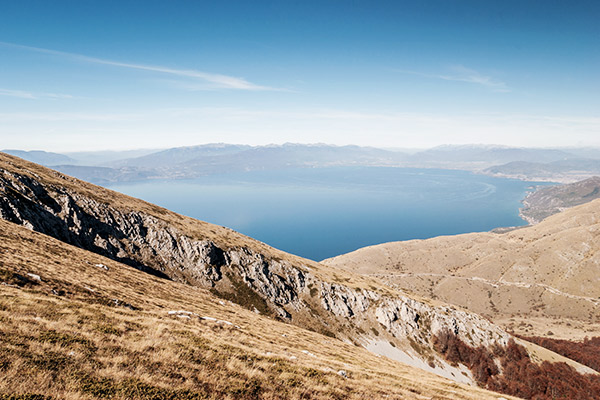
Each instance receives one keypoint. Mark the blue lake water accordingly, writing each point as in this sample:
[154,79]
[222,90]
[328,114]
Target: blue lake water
[322,212]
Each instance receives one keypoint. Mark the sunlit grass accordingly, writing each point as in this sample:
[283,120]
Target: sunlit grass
[65,336]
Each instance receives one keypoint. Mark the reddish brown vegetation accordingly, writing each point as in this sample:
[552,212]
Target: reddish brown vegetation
[586,352]
[480,361]
[518,375]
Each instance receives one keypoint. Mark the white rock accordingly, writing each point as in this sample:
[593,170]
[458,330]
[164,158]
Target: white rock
[308,353]
[181,313]
[34,277]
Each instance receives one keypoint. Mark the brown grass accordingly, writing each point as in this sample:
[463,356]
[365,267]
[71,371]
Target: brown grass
[66,337]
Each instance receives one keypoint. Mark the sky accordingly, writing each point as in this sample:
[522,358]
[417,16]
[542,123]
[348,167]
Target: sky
[97,75]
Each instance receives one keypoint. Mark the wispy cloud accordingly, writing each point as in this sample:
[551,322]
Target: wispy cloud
[194,85]
[70,116]
[460,73]
[215,80]
[22,94]
[17,93]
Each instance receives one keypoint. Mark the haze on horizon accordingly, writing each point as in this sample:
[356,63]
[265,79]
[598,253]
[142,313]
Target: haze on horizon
[131,74]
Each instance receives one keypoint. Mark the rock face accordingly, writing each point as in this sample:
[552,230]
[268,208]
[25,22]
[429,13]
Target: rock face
[287,290]
[406,317]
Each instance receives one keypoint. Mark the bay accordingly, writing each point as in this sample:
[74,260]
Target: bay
[322,212]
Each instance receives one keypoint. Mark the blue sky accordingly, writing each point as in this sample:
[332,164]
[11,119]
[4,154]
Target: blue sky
[81,75]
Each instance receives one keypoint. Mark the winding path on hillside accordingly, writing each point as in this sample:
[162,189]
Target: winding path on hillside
[493,283]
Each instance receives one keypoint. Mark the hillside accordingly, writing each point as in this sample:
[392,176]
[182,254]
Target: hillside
[563,171]
[42,157]
[548,201]
[539,280]
[77,325]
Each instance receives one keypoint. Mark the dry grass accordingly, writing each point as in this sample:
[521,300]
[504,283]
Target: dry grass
[66,337]
[546,273]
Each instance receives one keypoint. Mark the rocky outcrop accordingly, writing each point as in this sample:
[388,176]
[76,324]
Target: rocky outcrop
[406,317]
[345,302]
[287,290]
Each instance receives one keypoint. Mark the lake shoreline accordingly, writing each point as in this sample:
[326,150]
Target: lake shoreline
[319,213]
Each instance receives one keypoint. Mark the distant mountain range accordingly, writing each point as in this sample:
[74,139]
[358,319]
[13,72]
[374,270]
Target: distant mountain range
[42,157]
[83,158]
[564,171]
[471,156]
[560,165]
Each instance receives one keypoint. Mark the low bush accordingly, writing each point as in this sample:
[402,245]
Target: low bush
[586,352]
[518,376]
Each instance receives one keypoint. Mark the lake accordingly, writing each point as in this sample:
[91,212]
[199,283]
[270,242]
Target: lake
[322,212]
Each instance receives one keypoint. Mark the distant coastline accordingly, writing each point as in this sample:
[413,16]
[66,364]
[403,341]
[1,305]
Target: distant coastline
[545,201]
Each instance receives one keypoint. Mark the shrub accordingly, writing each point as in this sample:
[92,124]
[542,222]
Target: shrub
[586,352]
[519,376]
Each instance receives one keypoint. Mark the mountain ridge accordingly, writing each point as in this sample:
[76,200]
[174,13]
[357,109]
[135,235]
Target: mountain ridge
[188,162]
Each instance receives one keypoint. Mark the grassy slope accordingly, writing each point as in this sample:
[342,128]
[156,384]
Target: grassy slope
[66,337]
[532,280]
